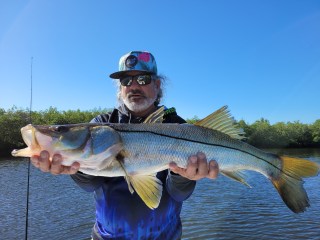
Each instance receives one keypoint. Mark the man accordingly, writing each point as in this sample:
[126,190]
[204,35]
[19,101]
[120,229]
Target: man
[120,214]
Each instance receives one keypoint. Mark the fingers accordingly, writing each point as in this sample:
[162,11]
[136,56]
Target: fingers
[44,162]
[58,168]
[55,167]
[213,169]
[202,165]
[74,168]
[197,168]
[178,170]
[192,167]
[35,161]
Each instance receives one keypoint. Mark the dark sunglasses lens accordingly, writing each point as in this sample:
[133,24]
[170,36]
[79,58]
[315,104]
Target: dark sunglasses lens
[141,80]
[144,80]
[126,81]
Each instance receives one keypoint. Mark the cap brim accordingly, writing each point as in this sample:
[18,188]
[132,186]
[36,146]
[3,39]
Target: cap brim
[120,74]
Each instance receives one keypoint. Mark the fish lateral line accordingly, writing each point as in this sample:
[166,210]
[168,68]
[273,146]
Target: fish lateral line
[204,143]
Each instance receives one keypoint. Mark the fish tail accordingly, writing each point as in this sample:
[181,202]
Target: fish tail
[290,184]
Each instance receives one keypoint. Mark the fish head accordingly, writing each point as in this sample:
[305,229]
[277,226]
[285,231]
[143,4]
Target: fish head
[72,141]
[52,138]
[62,137]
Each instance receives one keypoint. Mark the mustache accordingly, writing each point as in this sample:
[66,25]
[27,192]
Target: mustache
[134,92]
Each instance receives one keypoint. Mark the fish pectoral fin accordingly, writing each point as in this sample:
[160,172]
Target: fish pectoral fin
[148,187]
[110,155]
[155,117]
[237,176]
[222,121]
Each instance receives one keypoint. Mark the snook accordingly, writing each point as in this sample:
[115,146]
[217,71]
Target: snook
[139,151]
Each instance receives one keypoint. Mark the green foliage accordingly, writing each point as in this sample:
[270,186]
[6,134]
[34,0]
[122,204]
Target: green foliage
[193,120]
[262,134]
[281,135]
[10,123]
[315,131]
[245,127]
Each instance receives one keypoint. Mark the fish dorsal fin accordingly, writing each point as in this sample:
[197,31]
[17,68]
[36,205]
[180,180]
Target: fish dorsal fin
[221,121]
[155,117]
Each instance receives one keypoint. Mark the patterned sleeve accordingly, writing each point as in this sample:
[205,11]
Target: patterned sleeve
[178,187]
[87,182]
[101,118]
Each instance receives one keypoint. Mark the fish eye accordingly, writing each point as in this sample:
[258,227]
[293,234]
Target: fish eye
[60,129]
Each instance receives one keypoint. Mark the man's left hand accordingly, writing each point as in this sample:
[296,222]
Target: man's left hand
[197,168]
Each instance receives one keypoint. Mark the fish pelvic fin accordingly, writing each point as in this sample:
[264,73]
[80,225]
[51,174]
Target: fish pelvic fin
[290,184]
[148,187]
[155,117]
[237,176]
[222,121]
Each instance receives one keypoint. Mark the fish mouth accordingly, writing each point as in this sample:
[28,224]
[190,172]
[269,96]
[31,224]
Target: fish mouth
[15,152]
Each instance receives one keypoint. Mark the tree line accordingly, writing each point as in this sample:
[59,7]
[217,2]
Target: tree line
[261,133]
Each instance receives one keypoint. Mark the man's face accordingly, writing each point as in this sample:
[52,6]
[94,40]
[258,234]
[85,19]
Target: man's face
[139,98]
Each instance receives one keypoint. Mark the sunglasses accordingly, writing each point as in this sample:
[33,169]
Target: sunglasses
[141,80]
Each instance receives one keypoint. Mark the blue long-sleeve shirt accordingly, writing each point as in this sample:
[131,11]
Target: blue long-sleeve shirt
[122,215]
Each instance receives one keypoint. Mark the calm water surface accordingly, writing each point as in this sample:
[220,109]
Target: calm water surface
[220,209]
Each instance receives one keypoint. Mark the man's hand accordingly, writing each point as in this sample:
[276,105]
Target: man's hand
[197,168]
[45,165]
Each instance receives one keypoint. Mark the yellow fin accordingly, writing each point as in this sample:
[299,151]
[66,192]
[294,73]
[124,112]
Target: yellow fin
[131,190]
[289,183]
[221,121]
[301,168]
[237,176]
[155,117]
[148,187]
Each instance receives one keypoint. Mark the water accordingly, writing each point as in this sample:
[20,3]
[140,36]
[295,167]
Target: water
[58,209]
[220,209]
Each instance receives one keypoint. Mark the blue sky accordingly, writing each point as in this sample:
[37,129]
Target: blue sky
[261,58]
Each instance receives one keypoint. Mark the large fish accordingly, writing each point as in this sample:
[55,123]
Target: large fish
[139,151]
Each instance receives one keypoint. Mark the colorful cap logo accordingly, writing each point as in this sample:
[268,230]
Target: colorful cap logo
[138,61]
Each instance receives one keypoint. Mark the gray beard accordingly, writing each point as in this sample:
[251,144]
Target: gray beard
[139,107]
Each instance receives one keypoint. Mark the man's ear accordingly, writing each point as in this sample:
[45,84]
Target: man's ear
[158,83]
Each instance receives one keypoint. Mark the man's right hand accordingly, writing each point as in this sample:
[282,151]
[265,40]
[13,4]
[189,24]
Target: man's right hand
[55,167]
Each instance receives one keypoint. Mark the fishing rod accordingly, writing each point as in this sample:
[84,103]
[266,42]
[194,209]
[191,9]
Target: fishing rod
[28,178]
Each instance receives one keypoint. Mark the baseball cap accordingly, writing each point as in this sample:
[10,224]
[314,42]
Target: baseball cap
[138,61]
